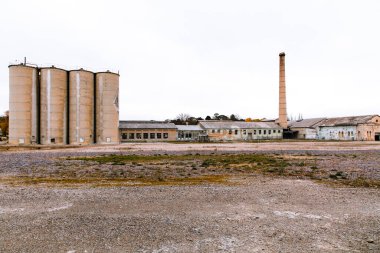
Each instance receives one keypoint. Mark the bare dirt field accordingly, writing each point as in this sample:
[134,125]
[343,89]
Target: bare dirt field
[170,197]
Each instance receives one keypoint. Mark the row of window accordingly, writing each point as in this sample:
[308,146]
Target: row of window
[236,132]
[349,133]
[136,136]
[185,135]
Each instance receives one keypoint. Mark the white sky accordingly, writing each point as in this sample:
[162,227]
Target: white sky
[205,56]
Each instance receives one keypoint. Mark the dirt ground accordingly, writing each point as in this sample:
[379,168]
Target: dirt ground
[169,197]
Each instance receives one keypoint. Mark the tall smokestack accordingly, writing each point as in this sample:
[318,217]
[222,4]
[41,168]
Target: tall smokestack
[283,118]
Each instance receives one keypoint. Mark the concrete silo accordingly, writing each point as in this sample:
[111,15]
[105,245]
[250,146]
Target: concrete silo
[53,104]
[23,104]
[81,107]
[107,107]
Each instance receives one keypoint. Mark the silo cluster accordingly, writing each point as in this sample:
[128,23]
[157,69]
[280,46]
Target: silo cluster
[54,106]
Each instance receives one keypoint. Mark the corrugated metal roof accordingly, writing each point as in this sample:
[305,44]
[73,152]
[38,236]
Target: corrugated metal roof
[237,124]
[146,125]
[189,128]
[306,123]
[347,121]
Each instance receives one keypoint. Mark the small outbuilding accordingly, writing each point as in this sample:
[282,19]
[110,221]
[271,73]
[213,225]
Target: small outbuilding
[305,128]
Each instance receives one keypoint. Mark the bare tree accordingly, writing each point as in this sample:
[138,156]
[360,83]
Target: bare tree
[183,117]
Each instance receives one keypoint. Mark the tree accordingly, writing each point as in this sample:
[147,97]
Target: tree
[208,118]
[248,120]
[183,117]
[234,117]
[4,123]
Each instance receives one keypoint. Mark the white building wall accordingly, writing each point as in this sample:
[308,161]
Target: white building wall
[337,133]
[311,134]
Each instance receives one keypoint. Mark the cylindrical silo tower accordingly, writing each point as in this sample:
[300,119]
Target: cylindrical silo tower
[23,101]
[53,104]
[107,107]
[81,100]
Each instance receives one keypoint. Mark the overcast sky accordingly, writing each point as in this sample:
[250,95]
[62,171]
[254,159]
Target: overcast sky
[206,56]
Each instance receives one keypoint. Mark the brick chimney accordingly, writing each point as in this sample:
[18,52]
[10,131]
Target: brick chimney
[283,118]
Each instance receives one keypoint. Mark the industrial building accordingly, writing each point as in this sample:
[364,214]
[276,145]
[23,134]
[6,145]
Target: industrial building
[50,105]
[354,128]
[361,128]
[240,130]
[153,131]
[189,132]
[305,128]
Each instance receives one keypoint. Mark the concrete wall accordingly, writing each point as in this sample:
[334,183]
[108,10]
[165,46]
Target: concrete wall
[171,135]
[367,132]
[306,133]
[348,133]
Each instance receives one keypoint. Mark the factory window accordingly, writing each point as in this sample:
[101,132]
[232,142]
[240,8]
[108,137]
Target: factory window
[124,136]
[229,131]
[159,135]
[260,131]
[152,135]
[254,131]
[269,131]
[236,132]
[265,131]
[166,135]
[138,136]
[131,136]
[146,135]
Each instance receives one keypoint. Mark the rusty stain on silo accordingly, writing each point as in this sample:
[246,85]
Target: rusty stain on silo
[81,125]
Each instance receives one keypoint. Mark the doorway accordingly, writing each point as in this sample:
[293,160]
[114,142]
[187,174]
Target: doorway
[377,136]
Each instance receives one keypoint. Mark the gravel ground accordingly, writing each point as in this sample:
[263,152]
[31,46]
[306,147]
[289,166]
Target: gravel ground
[259,214]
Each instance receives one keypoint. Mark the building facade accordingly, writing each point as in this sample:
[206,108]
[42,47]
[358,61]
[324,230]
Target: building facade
[144,131]
[240,130]
[189,132]
[305,128]
[361,128]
